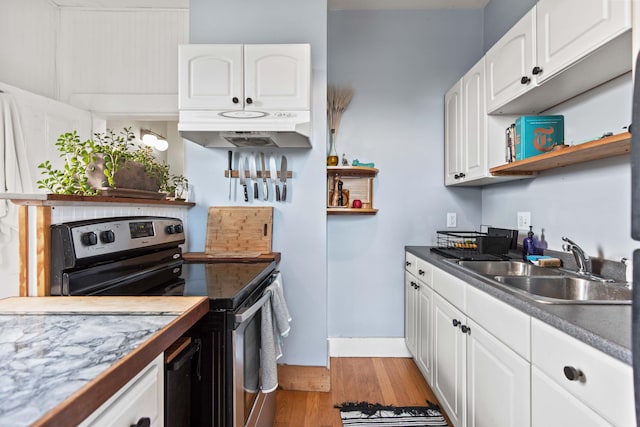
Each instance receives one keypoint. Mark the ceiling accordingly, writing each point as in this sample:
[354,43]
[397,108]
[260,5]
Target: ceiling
[332,4]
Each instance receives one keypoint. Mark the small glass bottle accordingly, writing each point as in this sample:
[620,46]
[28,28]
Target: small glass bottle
[527,244]
[332,157]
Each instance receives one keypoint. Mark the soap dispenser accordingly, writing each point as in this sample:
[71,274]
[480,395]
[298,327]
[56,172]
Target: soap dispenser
[527,244]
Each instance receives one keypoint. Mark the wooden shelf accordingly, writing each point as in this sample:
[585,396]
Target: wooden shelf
[611,146]
[357,171]
[65,199]
[351,211]
[357,184]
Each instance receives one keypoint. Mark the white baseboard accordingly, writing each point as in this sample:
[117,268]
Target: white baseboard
[368,347]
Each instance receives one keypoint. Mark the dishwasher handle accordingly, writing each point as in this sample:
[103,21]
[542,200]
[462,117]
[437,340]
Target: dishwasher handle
[184,357]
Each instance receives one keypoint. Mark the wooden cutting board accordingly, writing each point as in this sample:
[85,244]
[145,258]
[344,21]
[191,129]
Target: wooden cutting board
[234,229]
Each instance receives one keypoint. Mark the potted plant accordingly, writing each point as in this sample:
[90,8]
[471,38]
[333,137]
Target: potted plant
[106,162]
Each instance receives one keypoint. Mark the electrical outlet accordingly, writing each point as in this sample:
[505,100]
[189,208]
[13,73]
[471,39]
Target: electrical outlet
[451,219]
[524,220]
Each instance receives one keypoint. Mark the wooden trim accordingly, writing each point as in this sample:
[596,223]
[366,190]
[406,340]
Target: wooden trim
[68,199]
[90,397]
[304,378]
[23,249]
[43,250]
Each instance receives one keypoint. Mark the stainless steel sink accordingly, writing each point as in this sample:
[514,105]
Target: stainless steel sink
[507,268]
[549,285]
[569,289]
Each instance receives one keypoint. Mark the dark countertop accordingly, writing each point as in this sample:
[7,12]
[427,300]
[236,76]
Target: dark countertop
[605,327]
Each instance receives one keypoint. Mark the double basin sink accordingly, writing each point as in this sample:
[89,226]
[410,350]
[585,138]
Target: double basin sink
[550,285]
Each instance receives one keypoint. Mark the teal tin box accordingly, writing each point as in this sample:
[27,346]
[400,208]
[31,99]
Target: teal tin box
[537,135]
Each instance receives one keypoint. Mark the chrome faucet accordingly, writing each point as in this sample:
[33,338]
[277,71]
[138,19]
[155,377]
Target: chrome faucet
[582,260]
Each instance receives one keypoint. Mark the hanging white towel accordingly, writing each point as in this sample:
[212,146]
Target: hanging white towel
[14,167]
[275,325]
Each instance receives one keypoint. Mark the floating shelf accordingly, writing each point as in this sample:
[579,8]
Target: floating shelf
[611,146]
[358,184]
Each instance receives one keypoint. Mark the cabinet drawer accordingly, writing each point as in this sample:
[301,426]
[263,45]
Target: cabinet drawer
[509,325]
[411,263]
[425,272]
[450,287]
[606,384]
[143,396]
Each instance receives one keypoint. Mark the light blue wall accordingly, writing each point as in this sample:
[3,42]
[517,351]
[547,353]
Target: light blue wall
[299,229]
[500,15]
[400,64]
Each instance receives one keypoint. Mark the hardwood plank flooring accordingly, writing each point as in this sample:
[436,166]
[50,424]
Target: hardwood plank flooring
[388,380]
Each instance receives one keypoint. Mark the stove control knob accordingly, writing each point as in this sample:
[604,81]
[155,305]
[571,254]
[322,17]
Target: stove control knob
[170,229]
[89,239]
[179,228]
[107,236]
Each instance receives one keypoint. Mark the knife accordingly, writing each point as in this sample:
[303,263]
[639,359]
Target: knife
[253,175]
[283,177]
[230,171]
[274,177]
[265,190]
[243,179]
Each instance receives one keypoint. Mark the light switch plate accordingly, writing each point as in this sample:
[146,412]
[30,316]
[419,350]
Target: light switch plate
[524,220]
[451,219]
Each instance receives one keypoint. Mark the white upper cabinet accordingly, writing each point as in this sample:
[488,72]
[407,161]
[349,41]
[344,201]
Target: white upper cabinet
[474,123]
[568,30]
[560,49]
[452,134]
[510,61]
[245,77]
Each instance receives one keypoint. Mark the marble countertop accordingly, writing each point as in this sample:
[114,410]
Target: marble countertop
[605,327]
[58,352]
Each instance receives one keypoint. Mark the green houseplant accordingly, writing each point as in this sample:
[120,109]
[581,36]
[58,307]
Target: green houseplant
[108,161]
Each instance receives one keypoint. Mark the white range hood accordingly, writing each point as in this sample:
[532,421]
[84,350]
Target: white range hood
[284,129]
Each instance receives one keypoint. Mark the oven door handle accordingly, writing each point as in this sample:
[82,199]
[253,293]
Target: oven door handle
[246,314]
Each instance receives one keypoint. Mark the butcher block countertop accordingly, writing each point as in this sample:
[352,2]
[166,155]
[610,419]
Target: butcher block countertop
[62,357]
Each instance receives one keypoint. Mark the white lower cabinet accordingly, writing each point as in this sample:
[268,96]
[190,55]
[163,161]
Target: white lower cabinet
[449,356]
[142,397]
[418,303]
[584,376]
[410,302]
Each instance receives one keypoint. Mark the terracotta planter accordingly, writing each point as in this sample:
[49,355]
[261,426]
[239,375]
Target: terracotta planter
[129,176]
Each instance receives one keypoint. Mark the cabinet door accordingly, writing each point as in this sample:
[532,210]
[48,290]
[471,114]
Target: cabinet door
[552,406]
[474,123]
[277,77]
[498,382]
[424,323]
[452,134]
[510,61]
[449,360]
[410,297]
[568,30]
[210,77]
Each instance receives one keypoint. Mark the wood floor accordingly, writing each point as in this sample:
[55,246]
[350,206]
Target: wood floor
[389,381]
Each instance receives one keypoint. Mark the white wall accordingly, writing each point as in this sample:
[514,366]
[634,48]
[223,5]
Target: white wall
[590,202]
[400,64]
[299,229]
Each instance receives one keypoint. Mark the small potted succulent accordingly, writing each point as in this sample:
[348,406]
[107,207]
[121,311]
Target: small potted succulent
[106,162]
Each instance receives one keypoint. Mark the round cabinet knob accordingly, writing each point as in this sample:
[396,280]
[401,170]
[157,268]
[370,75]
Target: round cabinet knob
[536,70]
[170,229]
[107,236]
[573,374]
[407,263]
[456,323]
[465,329]
[235,100]
[414,285]
[249,101]
[179,228]
[89,239]
[142,422]
[525,80]
[421,272]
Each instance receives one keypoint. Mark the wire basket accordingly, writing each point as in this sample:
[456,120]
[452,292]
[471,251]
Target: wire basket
[464,240]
